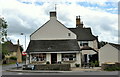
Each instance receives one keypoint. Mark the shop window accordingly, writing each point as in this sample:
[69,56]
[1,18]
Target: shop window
[68,57]
[39,57]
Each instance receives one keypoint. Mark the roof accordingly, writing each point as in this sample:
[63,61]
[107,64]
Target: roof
[83,34]
[117,46]
[87,48]
[10,47]
[52,45]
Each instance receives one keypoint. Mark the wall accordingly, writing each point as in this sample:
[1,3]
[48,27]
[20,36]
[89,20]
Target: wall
[52,30]
[108,54]
[92,44]
[88,52]
[48,57]
[59,57]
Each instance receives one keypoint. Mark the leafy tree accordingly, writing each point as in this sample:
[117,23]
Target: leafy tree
[3,29]
[4,49]
[3,36]
[102,43]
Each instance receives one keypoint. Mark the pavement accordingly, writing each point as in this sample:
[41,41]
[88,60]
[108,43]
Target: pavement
[12,70]
[15,69]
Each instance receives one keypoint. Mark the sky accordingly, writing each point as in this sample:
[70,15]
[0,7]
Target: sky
[25,16]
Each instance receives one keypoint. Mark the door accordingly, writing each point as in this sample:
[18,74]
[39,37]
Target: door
[53,58]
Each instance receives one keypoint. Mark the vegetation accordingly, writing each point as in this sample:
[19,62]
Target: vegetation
[77,65]
[3,29]
[94,64]
[102,43]
[47,62]
[115,68]
[13,58]
[3,35]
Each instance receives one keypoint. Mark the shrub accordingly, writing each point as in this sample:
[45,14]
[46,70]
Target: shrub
[77,65]
[96,63]
[115,68]
[59,62]
[13,58]
[47,62]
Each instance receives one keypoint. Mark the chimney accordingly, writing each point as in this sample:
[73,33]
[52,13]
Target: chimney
[53,14]
[78,22]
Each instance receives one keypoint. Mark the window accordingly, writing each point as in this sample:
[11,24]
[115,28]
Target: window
[69,34]
[83,43]
[39,57]
[68,57]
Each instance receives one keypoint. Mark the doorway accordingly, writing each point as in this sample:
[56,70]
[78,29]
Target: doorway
[53,58]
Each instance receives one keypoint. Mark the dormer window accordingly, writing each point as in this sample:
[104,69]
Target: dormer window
[69,34]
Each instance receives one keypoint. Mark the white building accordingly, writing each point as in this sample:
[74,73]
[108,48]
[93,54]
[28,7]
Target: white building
[110,53]
[55,43]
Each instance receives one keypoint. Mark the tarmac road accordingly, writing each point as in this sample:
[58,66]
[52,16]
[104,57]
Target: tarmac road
[71,73]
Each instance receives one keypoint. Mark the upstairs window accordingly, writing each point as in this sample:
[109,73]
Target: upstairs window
[69,34]
[83,43]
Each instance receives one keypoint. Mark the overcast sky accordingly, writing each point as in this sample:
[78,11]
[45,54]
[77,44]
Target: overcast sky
[25,16]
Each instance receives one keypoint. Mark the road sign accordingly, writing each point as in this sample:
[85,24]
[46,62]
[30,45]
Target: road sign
[24,53]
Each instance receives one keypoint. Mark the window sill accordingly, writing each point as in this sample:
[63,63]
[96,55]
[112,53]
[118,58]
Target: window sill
[38,62]
[70,61]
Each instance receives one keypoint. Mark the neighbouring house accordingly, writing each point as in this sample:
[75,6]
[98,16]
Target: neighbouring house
[53,42]
[14,50]
[109,53]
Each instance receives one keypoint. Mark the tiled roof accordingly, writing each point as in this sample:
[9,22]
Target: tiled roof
[117,46]
[52,45]
[83,34]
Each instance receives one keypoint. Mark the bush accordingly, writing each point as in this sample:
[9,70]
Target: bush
[47,62]
[59,62]
[77,65]
[96,63]
[13,58]
[115,68]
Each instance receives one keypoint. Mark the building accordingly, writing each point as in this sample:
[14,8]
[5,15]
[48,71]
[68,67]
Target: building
[53,42]
[110,53]
[11,48]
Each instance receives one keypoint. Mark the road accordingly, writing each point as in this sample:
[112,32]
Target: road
[75,73]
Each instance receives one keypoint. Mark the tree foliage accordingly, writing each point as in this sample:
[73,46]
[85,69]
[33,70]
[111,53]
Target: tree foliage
[102,43]
[3,29]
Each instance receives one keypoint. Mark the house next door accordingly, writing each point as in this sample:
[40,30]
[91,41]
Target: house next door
[53,58]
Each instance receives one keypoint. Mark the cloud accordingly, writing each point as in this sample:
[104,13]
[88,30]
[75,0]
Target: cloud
[28,15]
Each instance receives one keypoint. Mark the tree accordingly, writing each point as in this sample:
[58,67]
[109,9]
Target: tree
[102,43]
[3,29]
[3,35]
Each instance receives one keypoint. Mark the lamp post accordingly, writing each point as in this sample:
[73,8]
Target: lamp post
[25,40]
[25,47]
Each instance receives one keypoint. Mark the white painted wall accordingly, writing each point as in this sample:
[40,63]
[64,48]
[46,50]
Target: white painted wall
[59,57]
[88,52]
[48,57]
[90,44]
[108,54]
[52,30]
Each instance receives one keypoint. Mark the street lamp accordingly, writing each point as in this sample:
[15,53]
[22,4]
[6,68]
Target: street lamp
[25,47]
[25,40]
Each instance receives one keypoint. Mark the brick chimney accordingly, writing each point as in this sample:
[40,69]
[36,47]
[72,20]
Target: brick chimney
[78,22]
[53,15]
